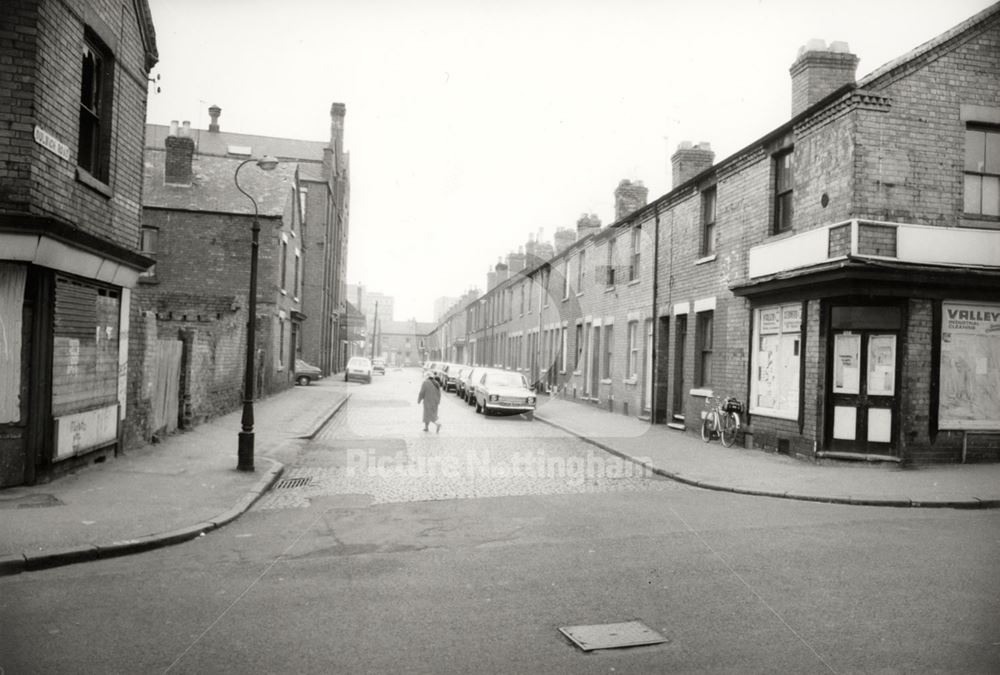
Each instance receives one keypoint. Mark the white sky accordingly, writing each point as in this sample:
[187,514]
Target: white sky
[473,124]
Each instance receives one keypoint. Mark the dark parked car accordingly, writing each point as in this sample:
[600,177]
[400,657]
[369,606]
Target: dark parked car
[378,366]
[449,376]
[306,373]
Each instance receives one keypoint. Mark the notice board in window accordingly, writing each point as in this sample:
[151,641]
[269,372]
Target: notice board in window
[969,392]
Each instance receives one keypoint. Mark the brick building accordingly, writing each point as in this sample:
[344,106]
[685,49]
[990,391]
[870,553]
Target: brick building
[191,307]
[404,343]
[841,274]
[74,78]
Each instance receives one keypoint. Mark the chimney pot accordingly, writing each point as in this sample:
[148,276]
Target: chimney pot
[214,112]
[173,128]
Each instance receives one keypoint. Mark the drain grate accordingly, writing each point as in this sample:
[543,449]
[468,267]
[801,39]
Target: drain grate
[286,483]
[612,635]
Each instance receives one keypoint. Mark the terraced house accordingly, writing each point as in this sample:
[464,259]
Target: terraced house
[840,275]
[192,307]
[74,76]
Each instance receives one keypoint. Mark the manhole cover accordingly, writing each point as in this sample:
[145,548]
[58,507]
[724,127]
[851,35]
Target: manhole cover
[285,483]
[612,635]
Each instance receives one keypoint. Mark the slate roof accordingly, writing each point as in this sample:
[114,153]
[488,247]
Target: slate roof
[406,327]
[213,187]
[972,22]
[219,142]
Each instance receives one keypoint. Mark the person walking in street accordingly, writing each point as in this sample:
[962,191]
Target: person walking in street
[430,396]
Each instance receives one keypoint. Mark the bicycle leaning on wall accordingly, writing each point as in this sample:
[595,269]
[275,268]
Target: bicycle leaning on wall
[721,419]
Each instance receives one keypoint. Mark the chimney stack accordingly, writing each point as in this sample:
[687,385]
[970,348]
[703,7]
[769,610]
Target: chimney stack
[531,248]
[180,151]
[564,238]
[333,153]
[629,197]
[501,271]
[491,279]
[214,113]
[820,70]
[586,225]
[516,261]
[690,160]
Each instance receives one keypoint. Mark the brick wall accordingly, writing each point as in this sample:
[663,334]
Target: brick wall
[40,68]
[906,169]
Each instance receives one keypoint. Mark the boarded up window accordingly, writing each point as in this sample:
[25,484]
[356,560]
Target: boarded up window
[85,346]
[11,306]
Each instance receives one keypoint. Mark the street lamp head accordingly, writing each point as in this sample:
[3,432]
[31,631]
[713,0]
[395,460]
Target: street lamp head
[267,163]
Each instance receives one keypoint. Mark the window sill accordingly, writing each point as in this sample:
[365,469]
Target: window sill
[632,381]
[634,282]
[982,222]
[606,380]
[775,414]
[702,392]
[95,184]
[609,289]
[706,259]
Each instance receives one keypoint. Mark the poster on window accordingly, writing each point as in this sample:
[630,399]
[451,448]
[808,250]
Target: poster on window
[846,363]
[881,380]
[775,383]
[970,366]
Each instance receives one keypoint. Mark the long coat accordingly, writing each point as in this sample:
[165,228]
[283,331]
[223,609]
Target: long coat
[430,395]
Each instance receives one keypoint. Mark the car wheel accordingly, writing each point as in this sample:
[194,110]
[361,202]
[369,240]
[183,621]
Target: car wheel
[479,408]
[303,380]
[529,416]
[345,379]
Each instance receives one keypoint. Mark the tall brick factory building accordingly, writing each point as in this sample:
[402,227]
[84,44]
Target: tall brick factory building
[74,78]
[839,275]
[189,327]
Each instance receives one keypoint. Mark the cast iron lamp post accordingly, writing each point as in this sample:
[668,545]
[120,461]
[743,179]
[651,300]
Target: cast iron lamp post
[246,442]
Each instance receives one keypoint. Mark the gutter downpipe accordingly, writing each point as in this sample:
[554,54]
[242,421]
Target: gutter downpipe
[656,318]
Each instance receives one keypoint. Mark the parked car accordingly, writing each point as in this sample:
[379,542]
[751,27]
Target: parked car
[306,373]
[460,380]
[471,377]
[358,368]
[378,366]
[501,391]
[449,376]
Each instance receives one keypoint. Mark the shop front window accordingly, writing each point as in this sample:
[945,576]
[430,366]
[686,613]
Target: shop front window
[776,361]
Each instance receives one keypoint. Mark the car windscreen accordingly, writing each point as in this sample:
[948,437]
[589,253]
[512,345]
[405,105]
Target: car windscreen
[505,380]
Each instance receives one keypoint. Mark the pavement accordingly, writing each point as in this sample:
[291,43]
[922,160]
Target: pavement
[188,484]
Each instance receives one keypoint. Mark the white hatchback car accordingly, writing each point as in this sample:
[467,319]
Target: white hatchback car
[359,368]
[501,391]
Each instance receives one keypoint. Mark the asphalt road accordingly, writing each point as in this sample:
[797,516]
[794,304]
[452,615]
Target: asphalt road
[388,549]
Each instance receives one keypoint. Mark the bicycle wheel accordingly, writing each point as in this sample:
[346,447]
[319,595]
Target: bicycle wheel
[730,426]
[707,427]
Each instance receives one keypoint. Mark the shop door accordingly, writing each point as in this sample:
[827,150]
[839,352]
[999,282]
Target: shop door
[863,391]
